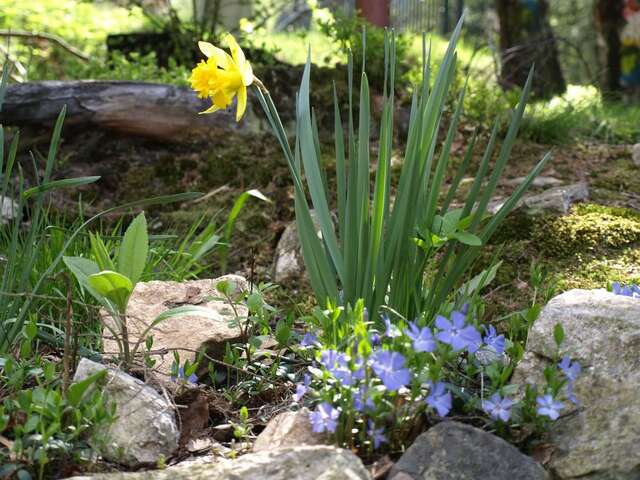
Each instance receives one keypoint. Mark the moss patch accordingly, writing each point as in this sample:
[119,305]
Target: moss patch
[588,228]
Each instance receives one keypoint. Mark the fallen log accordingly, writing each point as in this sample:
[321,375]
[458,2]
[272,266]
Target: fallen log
[158,111]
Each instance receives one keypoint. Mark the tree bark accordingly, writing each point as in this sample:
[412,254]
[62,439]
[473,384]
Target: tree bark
[375,11]
[609,21]
[161,112]
[526,38]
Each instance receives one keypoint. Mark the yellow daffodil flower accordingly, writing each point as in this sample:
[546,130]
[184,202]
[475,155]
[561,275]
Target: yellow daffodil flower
[222,76]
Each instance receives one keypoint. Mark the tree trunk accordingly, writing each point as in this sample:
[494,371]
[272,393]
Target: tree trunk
[609,20]
[526,38]
[162,112]
[375,11]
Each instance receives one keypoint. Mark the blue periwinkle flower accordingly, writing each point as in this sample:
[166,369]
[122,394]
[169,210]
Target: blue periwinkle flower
[497,407]
[632,290]
[570,369]
[309,340]
[389,367]
[494,341]
[375,339]
[423,340]
[302,388]
[193,378]
[324,418]
[392,330]
[376,434]
[457,333]
[439,399]
[549,407]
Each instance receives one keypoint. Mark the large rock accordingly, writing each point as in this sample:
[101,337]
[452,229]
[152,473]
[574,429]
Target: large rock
[599,440]
[556,200]
[455,451]
[289,429]
[635,154]
[191,332]
[289,264]
[295,463]
[145,429]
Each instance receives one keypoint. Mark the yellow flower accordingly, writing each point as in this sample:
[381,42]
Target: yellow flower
[223,76]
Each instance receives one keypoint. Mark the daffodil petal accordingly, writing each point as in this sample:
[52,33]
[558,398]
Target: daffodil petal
[211,109]
[222,58]
[236,51]
[247,74]
[242,103]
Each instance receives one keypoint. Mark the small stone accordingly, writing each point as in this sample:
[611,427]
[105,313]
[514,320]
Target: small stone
[455,451]
[189,333]
[288,429]
[537,182]
[8,210]
[288,263]
[145,429]
[556,200]
[293,463]
[635,154]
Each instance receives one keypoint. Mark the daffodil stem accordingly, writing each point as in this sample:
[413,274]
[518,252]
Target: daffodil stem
[258,83]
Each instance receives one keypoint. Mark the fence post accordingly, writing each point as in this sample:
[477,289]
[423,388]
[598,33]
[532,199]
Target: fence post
[375,11]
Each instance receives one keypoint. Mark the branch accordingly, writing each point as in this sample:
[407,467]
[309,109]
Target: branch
[47,37]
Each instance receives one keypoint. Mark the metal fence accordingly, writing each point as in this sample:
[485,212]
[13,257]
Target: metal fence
[416,15]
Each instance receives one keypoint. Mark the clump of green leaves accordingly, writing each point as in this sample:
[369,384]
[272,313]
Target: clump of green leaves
[410,253]
[45,424]
[111,281]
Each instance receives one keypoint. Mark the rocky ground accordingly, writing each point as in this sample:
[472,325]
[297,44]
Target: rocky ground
[580,222]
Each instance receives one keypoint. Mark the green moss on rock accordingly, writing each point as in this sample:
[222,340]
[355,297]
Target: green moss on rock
[589,228]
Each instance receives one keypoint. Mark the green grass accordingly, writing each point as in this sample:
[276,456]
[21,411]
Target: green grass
[85,25]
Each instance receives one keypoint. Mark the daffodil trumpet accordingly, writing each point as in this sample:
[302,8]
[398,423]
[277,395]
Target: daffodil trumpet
[223,76]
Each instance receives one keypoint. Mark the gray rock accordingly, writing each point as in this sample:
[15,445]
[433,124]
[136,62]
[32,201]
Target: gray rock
[537,182]
[599,440]
[145,429]
[553,200]
[455,451]
[289,429]
[295,463]
[8,210]
[635,154]
[190,332]
[288,263]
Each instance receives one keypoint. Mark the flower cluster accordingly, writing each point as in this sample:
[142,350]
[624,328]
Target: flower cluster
[632,290]
[365,388]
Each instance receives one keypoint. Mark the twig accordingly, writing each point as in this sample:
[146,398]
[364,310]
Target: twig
[47,37]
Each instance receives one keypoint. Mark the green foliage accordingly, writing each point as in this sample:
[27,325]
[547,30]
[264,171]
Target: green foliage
[372,254]
[348,31]
[133,67]
[46,426]
[113,289]
[90,25]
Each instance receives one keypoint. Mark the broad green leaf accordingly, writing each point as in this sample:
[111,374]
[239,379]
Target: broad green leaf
[114,286]
[82,268]
[134,248]
[467,238]
[77,390]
